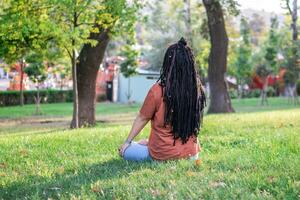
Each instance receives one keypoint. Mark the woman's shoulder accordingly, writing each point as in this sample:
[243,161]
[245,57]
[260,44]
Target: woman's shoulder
[156,88]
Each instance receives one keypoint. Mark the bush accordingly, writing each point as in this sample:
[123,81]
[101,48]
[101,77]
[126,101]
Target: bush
[255,93]
[101,97]
[9,98]
[271,92]
[233,93]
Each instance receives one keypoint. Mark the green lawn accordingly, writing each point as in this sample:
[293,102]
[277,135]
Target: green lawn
[62,110]
[65,109]
[246,155]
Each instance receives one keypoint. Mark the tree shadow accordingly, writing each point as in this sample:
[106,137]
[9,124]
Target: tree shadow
[70,181]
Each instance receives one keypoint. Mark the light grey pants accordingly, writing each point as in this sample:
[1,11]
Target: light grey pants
[137,152]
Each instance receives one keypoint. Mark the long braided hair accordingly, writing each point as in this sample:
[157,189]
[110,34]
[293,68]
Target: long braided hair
[183,93]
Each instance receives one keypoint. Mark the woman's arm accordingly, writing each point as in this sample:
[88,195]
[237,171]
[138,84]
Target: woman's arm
[138,124]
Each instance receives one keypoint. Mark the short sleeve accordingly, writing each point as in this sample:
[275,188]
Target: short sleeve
[148,108]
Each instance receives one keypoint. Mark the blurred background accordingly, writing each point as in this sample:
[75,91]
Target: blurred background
[116,49]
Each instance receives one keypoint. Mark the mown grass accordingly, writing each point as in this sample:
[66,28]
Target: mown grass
[246,155]
[65,109]
[62,110]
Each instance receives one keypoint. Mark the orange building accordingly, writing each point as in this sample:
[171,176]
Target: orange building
[15,78]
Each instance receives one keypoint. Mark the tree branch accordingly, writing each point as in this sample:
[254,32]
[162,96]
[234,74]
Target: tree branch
[289,7]
[68,51]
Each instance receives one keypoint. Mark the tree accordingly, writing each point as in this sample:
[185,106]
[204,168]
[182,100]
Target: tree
[242,63]
[263,72]
[37,73]
[293,68]
[272,45]
[86,27]
[23,25]
[219,97]
[128,67]
[258,27]
[181,18]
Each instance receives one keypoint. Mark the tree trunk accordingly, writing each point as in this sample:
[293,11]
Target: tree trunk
[264,95]
[21,82]
[89,61]
[219,99]
[128,91]
[294,20]
[294,15]
[37,101]
[75,123]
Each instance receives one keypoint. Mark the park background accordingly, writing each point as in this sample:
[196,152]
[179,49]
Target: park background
[60,142]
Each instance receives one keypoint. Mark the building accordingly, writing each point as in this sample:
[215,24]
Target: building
[135,88]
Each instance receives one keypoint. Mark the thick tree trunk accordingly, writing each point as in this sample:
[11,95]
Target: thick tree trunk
[89,61]
[219,98]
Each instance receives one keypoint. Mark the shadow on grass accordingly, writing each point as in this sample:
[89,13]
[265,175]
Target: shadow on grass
[70,181]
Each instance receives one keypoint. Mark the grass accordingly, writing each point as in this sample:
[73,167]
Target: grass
[62,110]
[246,155]
[65,109]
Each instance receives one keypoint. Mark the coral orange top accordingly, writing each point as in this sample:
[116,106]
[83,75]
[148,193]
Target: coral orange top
[161,143]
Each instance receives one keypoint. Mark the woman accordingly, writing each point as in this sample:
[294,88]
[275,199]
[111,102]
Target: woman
[174,104]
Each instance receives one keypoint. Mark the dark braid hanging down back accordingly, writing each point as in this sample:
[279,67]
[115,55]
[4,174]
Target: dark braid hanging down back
[182,91]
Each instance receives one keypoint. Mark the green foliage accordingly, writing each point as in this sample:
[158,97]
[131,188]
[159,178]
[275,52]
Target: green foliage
[272,45]
[232,93]
[37,70]
[77,20]
[255,93]
[165,25]
[10,98]
[33,25]
[290,77]
[263,70]
[24,26]
[271,92]
[292,63]
[232,6]
[128,67]
[243,68]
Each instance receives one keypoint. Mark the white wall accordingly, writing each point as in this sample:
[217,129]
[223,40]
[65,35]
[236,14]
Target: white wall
[139,87]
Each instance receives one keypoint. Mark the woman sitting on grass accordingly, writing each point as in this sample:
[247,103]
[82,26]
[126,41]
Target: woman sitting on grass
[175,107]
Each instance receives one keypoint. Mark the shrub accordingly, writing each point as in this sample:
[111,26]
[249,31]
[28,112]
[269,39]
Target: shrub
[252,93]
[101,97]
[271,92]
[9,98]
[233,93]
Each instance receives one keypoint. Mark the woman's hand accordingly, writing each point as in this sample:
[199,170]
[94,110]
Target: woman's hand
[123,147]
[138,124]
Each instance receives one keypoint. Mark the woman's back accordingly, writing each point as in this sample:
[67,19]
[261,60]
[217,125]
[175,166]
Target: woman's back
[162,145]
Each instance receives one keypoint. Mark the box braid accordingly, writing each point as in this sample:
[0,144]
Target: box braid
[183,93]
